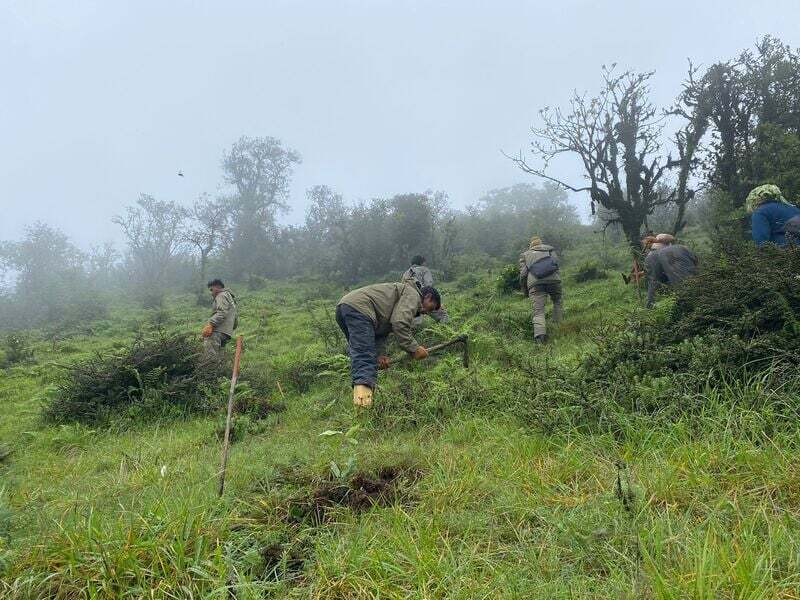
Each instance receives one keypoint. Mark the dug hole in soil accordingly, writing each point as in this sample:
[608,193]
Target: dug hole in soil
[389,486]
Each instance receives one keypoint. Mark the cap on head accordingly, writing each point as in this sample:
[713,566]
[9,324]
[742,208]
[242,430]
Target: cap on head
[665,238]
[536,241]
[763,194]
[648,241]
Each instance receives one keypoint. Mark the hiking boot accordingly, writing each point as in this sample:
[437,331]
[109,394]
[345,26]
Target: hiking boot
[362,395]
[540,339]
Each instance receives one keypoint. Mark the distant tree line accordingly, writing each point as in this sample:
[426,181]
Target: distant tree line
[734,125]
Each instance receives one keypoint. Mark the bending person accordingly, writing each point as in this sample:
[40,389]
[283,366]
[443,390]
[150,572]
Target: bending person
[667,264]
[368,315]
[772,218]
[421,274]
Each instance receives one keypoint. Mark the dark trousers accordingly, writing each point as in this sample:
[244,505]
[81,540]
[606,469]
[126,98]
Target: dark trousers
[360,334]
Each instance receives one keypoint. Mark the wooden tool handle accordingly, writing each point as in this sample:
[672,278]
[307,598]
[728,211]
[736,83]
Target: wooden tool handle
[435,348]
[226,444]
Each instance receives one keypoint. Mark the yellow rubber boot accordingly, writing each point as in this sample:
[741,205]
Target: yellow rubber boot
[362,396]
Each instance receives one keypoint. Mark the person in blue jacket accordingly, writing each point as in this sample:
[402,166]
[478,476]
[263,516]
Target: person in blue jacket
[773,219]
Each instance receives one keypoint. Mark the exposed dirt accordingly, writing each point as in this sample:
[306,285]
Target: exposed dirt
[390,485]
[284,560]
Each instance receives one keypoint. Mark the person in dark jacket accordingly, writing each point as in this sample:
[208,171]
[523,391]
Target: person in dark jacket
[772,218]
[668,264]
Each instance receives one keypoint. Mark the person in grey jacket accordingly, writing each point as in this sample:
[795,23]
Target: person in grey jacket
[422,276]
[668,265]
[542,287]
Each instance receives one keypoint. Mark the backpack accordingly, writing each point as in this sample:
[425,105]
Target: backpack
[544,267]
[792,230]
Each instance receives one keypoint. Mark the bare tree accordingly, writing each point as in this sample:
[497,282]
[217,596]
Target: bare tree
[209,228]
[618,138]
[154,230]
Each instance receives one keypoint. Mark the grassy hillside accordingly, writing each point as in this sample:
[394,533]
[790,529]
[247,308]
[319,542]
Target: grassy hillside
[459,484]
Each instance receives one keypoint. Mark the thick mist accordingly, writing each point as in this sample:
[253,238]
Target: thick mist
[106,101]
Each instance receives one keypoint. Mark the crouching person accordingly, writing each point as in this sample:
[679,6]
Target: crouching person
[667,264]
[224,319]
[421,274]
[368,315]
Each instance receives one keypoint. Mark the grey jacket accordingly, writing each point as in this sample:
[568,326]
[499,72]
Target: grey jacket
[669,265]
[422,275]
[225,315]
[527,279]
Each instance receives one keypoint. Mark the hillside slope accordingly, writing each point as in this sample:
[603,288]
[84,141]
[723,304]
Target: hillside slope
[454,486]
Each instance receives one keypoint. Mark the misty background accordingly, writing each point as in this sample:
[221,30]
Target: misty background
[105,101]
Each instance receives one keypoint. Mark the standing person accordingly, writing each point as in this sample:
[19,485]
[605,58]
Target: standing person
[224,319]
[368,315]
[421,274]
[772,218]
[539,279]
[668,264]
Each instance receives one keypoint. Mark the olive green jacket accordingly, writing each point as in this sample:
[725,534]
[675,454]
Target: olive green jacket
[225,316]
[391,307]
[527,279]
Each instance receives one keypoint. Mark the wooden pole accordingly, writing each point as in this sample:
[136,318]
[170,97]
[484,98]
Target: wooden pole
[226,444]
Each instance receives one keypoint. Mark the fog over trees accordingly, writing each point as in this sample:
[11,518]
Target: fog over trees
[733,124]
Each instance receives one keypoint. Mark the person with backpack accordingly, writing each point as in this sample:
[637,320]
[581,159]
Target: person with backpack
[224,319]
[772,218]
[539,278]
[421,275]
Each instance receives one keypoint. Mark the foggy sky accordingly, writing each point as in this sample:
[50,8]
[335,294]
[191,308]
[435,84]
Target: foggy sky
[104,100]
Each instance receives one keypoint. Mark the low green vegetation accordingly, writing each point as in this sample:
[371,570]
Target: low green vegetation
[641,454]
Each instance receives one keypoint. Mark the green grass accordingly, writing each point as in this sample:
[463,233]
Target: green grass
[501,509]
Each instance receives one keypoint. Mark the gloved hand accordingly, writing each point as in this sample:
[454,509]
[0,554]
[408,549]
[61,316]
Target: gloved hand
[207,330]
[383,362]
[420,353]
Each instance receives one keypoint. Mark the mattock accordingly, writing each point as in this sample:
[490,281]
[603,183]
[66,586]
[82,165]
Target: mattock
[461,339]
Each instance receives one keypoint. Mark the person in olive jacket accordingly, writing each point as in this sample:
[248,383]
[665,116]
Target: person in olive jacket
[224,319]
[368,315]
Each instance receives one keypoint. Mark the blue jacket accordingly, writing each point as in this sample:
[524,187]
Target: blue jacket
[768,220]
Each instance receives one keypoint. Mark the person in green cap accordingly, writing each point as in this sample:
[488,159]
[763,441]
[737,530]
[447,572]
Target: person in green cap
[772,218]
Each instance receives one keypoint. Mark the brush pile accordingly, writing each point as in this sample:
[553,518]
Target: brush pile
[741,311]
[157,377]
[737,319]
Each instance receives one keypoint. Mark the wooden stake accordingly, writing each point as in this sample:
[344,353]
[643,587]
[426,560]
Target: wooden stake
[280,389]
[226,444]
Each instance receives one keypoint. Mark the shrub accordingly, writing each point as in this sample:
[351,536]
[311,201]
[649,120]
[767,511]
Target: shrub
[323,323]
[468,281]
[589,271]
[162,376]
[256,282]
[737,317]
[17,349]
[508,280]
